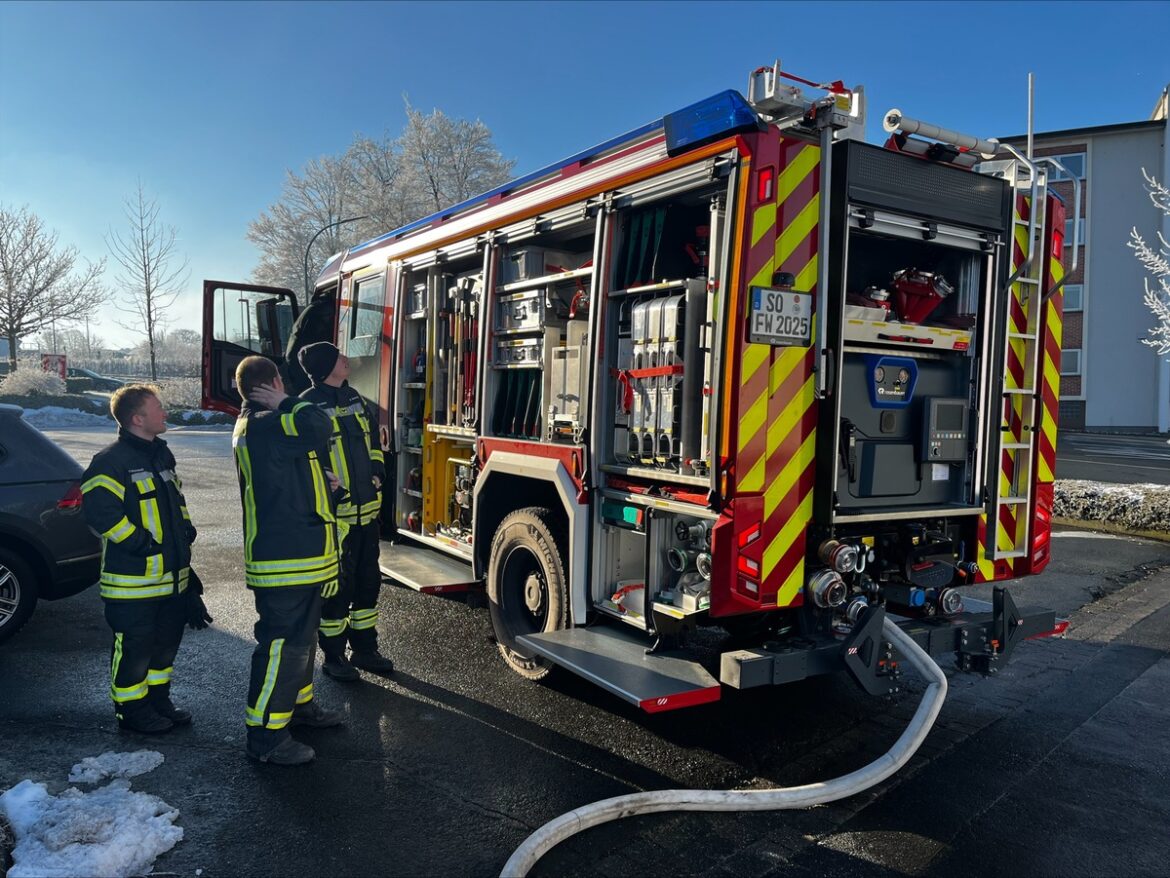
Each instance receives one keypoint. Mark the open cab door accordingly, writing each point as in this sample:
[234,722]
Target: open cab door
[240,320]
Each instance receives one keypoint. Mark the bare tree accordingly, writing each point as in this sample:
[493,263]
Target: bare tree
[152,273]
[386,183]
[41,282]
[1156,261]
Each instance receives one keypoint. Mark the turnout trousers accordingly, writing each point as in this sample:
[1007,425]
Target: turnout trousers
[147,634]
[282,663]
[354,609]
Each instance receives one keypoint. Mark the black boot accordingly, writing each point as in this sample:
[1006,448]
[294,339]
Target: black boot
[339,668]
[372,661]
[160,700]
[143,718]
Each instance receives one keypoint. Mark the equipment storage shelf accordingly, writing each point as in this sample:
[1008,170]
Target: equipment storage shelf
[545,280]
[938,338]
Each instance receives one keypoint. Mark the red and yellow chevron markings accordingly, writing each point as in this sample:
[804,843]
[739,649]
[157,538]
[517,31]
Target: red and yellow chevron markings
[777,401]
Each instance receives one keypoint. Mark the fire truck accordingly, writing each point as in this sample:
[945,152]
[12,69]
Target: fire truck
[701,406]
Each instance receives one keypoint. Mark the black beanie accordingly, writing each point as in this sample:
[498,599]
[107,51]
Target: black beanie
[318,360]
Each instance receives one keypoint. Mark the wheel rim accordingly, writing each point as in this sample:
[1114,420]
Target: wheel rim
[9,594]
[524,592]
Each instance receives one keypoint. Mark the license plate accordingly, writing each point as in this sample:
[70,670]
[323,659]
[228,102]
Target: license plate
[780,317]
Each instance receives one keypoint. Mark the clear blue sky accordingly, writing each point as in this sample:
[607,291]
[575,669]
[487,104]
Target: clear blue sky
[209,103]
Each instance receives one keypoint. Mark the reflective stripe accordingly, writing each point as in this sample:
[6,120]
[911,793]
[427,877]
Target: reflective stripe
[143,481]
[273,579]
[114,585]
[278,720]
[254,716]
[289,422]
[102,481]
[322,504]
[244,460]
[186,514]
[334,627]
[362,620]
[154,566]
[122,694]
[291,564]
[376,454]
[120,531]
[151,518]
[305,695]
[159,678]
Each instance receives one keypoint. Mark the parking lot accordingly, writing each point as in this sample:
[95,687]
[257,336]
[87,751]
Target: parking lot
[1057,766]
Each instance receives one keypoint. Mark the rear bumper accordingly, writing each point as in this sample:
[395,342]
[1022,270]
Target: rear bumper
[978,641]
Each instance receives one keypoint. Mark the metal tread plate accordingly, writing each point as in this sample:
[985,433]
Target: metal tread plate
[616,660]
[423,569]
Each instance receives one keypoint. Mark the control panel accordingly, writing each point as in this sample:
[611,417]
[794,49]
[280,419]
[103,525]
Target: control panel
[945,421]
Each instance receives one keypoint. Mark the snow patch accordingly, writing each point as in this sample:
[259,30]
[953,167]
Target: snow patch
[52,416]
[110,831]
[92,769]
[1135,507]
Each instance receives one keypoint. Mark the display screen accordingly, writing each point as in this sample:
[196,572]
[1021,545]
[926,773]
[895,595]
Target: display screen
[949,417]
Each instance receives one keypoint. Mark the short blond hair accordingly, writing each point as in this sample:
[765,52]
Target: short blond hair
[127,401]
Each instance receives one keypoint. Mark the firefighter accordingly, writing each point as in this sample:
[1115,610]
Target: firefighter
[290,557]
[355,455]
[133,498]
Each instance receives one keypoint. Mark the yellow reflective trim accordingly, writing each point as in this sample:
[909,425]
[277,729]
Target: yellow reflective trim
[103,481]
[186,514]
[797,230]
[305,695]
[278,720]
[122,694]
[116,661]
[151,518]
[275,579]
[157,677]
[333,627]
[244,461]
[120,531]
[292,564]
[289,424]
[274,653]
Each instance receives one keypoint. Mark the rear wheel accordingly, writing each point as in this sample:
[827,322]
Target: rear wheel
[18,593]
[528,592]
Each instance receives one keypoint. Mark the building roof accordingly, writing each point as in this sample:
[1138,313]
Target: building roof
[1087,132]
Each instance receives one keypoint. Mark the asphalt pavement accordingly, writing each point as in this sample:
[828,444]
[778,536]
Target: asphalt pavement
[1056,766]
[1121,459]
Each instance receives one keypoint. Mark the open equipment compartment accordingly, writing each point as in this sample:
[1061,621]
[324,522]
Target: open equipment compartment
[913,336]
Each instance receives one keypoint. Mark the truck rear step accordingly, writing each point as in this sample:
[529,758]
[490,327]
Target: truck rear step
[425,570]
[616,660]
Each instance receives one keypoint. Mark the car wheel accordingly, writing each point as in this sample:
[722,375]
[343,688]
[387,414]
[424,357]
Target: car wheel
[18,593]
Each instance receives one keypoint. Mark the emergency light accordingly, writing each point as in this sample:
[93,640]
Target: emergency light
[709,120]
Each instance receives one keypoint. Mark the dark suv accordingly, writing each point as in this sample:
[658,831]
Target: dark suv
[46,549]
[99,382]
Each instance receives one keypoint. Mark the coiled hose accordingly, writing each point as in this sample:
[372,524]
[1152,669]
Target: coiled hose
[555,831]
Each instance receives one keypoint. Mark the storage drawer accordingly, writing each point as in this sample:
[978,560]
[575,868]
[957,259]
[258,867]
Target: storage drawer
[530,262]
[520,312]
[519,352]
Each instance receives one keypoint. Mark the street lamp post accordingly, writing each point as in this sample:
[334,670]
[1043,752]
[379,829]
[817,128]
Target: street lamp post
[313,240]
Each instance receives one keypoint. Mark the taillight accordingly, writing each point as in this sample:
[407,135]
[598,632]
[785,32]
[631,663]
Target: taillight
[72,498]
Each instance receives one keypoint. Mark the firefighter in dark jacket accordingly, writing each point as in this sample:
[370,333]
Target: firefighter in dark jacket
[133,498]
[290,556]
[355,456]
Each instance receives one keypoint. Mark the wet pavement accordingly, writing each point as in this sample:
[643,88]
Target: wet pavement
[1057,766]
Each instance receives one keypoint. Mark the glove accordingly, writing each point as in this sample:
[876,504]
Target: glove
[197,616]
[329,589]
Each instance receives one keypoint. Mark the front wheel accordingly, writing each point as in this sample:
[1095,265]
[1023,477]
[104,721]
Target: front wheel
[18,593]
[528,592]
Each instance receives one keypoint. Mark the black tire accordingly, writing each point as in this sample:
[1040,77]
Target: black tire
[18,593]
[527,589]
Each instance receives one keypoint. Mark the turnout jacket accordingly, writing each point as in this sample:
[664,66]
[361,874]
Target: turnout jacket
[133,498]
[290,534]
[354,452]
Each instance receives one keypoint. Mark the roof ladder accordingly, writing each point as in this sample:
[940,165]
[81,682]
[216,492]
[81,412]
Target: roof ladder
[1011,496]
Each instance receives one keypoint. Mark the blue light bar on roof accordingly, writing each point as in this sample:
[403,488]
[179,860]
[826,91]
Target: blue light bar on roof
[709,120]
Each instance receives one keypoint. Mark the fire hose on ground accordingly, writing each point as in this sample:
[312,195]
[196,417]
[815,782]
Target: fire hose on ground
[555,831]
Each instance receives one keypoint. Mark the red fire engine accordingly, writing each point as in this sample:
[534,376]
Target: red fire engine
[700,406]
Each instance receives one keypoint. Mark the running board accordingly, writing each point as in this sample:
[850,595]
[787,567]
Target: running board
[617,661]
[424,570]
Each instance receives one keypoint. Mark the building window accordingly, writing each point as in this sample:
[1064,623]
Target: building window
[1068,232]
[1074,297]
[1070,361]
[1074,161]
